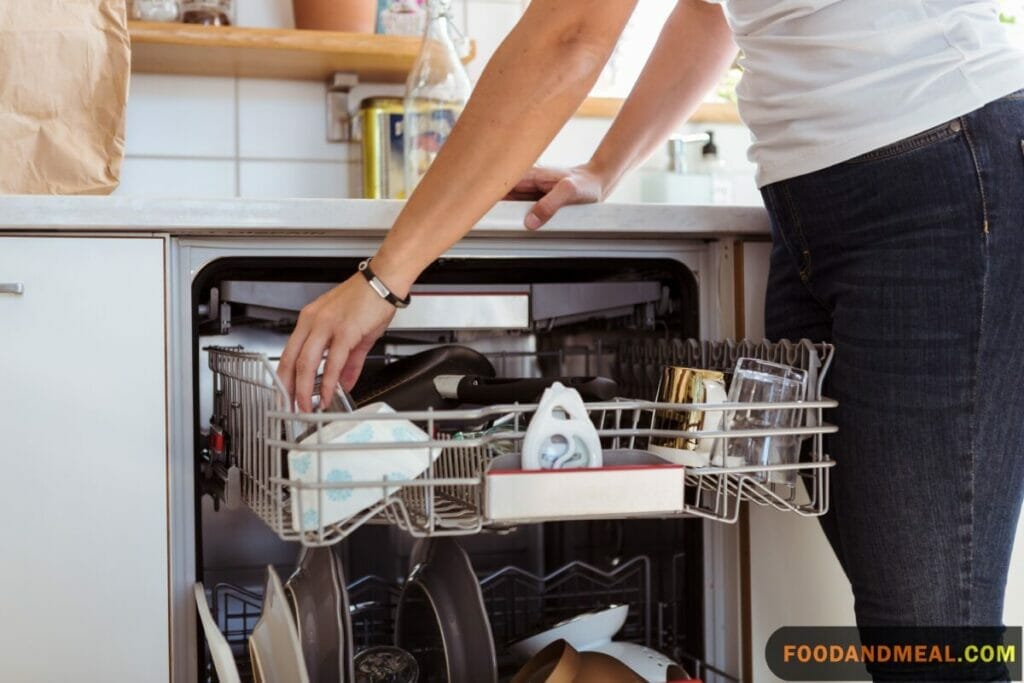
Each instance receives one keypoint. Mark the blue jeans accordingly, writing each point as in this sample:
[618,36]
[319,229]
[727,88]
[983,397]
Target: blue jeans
[910,260]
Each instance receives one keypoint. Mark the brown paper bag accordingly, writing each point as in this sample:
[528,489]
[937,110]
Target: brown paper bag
[64,67]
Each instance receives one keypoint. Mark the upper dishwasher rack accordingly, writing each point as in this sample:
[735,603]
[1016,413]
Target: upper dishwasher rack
[251,407]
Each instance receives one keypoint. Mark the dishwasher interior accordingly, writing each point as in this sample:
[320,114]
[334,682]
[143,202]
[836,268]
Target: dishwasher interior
[531,317]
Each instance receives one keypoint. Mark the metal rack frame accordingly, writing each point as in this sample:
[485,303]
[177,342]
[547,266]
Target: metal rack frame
[448,498]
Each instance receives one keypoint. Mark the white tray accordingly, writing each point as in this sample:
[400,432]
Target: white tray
[631,483]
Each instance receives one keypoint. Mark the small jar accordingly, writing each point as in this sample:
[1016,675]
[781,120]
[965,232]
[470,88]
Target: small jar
[156,10]
[207,12]
[403,18]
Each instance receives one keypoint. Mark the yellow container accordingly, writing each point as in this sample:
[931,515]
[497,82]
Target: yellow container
[381,127]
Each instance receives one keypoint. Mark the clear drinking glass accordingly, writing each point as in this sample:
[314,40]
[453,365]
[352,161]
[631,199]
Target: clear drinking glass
[757,381]
[207,12]
[156,10]
[435,93]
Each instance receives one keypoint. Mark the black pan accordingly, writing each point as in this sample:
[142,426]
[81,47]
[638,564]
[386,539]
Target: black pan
[488,390]
[441,617]
[408,383]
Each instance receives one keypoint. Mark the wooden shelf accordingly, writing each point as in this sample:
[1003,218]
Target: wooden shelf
[708,112]
[189,49]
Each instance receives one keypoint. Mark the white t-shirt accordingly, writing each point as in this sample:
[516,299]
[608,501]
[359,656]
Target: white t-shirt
[828,80]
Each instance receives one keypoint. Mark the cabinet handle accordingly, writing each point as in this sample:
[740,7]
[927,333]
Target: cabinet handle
[16,288]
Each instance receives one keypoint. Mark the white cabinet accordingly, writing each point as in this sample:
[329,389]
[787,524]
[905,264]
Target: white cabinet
[83,460]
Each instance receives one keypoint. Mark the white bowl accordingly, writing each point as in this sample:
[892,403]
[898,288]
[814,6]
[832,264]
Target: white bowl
[313,509]
[649,664]
[585,632]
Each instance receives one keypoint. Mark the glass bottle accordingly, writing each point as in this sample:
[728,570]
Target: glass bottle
[435,93]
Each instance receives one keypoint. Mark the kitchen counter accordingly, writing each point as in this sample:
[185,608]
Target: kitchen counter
[324,217]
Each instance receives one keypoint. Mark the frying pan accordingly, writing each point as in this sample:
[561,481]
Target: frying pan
[441,617]
[408,383]
[320,602]
[484,390]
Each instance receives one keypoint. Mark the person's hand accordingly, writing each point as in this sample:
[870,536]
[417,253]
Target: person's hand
[555,188]
[345,322]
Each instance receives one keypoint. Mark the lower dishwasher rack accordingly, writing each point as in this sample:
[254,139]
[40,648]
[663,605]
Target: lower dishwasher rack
[449,497]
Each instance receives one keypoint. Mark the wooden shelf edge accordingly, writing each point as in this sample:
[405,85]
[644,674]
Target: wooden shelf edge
[156,33]
[270,53]
[708,112]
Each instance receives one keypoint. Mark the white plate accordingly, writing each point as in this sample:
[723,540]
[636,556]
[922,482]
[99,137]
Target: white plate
[338,505]
[220,651]
[585,632]
[274,643]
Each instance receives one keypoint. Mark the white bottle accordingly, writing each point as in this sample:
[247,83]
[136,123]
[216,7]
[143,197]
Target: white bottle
[713,168]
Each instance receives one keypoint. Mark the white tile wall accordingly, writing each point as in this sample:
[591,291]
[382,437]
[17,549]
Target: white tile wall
[177,178]
[181,116]
[284,120]
[575,143]
[264,13]
[299,179]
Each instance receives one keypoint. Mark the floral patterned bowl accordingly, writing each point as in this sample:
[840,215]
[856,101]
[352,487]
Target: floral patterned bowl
[316,508]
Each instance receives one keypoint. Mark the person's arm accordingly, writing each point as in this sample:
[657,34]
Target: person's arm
[694,49]
[535,81]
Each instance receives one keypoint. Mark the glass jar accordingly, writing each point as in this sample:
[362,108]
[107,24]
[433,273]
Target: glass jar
[156,10]
[403,18]
[207,12]
[435,93]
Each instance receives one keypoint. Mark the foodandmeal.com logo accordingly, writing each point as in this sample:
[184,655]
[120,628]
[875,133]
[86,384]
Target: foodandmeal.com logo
[916,654]
[836,653]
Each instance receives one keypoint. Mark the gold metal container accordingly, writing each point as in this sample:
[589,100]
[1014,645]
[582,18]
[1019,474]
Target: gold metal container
[383,148]
[688,385]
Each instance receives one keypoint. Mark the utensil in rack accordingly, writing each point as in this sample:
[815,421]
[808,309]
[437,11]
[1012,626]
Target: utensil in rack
[340,403]
[386,665]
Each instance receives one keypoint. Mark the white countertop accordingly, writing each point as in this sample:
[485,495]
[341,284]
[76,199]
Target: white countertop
[311,217]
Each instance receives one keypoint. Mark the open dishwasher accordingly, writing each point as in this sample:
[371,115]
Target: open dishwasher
[618,318]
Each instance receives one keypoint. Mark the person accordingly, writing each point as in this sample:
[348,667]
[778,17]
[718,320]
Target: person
[889,141]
